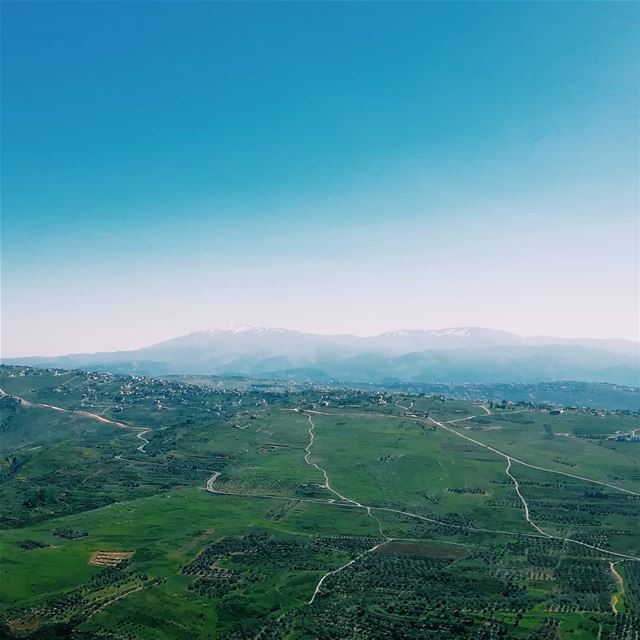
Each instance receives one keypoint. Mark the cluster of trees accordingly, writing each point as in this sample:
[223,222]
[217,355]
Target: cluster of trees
[259,552]
[398,596]
[69,534]
[220,581]
[8,407]
[625,627]
[29,544]
[632,587]
[65,612]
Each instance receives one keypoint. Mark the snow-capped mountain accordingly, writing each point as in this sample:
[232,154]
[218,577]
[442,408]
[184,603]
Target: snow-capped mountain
[421,339]
[456,354]
[235,329]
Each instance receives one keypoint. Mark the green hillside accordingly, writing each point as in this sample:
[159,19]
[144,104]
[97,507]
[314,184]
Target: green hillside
[143,508]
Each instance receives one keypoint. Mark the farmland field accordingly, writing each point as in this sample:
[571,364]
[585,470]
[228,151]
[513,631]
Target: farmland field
[147,508]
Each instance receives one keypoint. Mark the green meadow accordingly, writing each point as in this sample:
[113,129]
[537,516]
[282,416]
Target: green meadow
[419,533]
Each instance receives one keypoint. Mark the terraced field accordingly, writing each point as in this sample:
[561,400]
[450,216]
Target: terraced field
[149,508]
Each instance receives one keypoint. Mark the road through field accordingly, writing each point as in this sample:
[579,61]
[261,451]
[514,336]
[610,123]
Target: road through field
[344,566]
[141,436]
[327,485]
[510,459]
[527,517]
[210,482]
[86,414]
[140,431]
[387,539]
[355,503]
[442,425]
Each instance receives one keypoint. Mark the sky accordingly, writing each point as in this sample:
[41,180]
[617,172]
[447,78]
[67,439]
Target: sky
[327,167]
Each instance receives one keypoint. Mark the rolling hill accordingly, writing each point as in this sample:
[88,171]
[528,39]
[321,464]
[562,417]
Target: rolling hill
[455,355]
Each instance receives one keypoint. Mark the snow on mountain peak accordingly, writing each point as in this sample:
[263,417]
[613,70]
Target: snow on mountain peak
[462,332]
[236,329]
[233,328]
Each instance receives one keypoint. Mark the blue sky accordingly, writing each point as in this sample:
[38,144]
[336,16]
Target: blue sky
[322,166]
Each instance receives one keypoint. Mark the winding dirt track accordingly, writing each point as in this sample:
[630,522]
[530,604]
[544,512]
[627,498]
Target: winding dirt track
[141,436]
[442,425]
[510,459]
[85,414]
[345,501]
[355,503]
[140,431]
[210,482]
[620,581]
[527,517]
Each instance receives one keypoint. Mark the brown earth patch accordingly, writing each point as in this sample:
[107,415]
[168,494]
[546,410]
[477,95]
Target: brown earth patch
[22,624]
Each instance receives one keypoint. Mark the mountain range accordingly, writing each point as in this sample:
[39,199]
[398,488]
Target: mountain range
[453,355]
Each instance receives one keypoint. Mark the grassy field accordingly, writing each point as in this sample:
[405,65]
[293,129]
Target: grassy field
[419,532]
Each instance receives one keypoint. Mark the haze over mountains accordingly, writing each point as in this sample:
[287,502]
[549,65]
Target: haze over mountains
[454,355]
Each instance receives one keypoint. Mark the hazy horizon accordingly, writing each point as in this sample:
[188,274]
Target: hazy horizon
[243,326]
[325,167]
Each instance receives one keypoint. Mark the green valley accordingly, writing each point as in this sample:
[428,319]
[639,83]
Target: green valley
[136,507]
